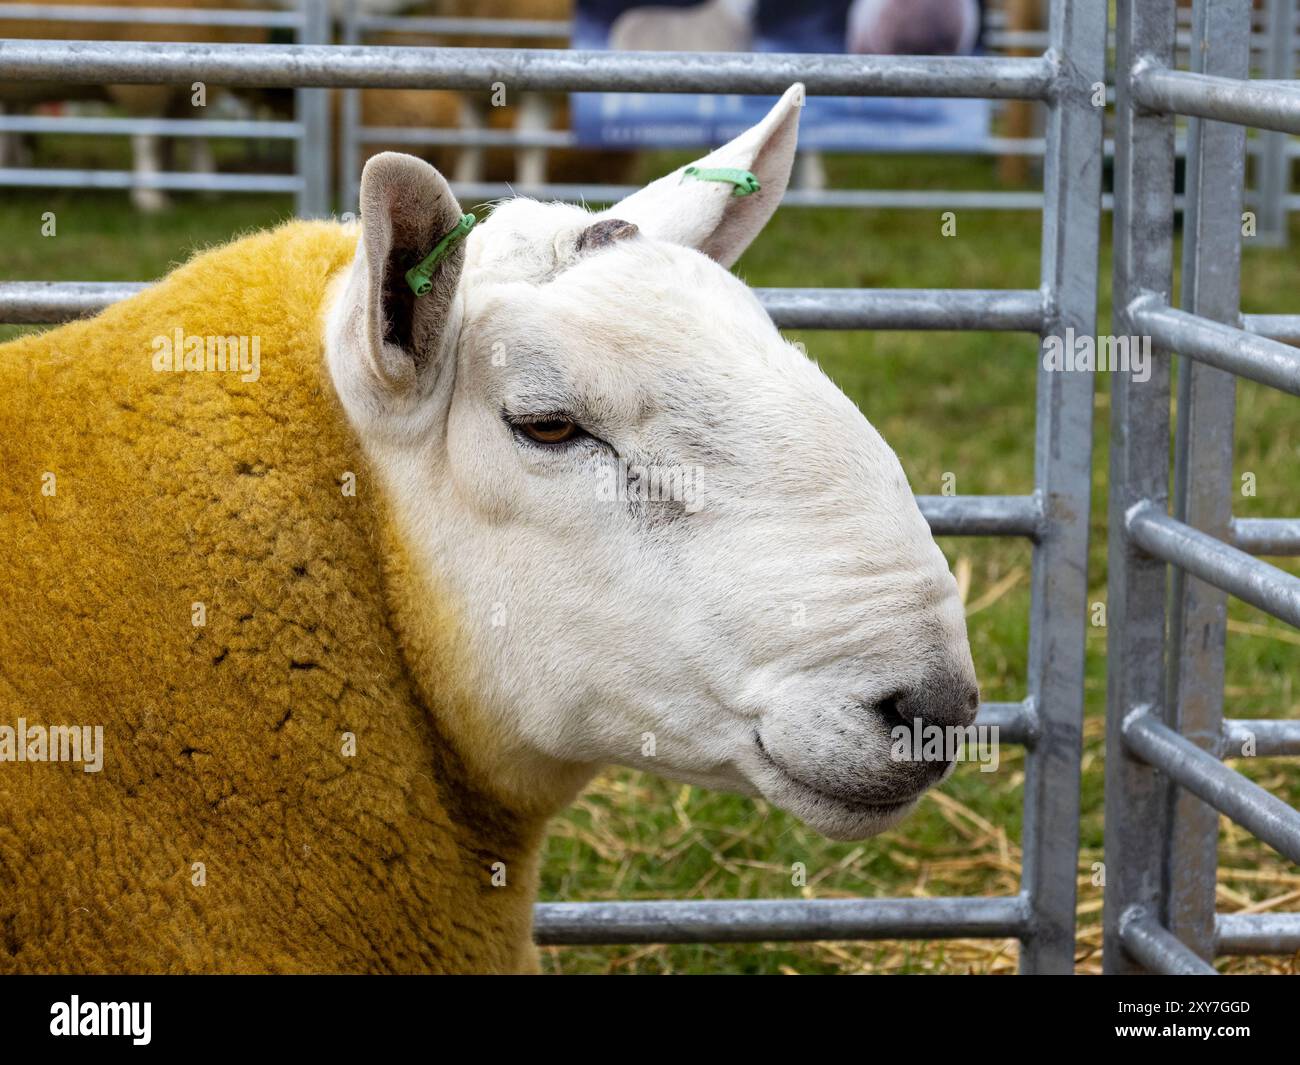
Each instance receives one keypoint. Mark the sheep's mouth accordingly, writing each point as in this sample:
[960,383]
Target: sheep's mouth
[815,794]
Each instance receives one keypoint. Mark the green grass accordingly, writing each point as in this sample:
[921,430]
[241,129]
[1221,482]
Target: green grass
[948,403]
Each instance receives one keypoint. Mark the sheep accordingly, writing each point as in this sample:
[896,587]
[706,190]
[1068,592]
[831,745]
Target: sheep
[351,624]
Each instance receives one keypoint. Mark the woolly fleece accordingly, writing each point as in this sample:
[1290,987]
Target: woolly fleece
[224,743]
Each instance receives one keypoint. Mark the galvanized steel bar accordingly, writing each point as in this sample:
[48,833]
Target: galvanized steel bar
[905,308]
[861,308]
[1275,161]
[1259,738]
[162,127]
[755,920]
[1266,536]
[1137,801]
[350,141]
[1211,287]
[469,27]
[1063,481]
[1227,347]
[1284,327]
[148,16]
[312,106]
[48,302]
[1258,933]
[468,138]
[1167,539]
[848,198]
[1273,106]
[1015,722]
[1158,949]
[983,515]
[563,138]
[272,66]
[1245,802]
[177,181]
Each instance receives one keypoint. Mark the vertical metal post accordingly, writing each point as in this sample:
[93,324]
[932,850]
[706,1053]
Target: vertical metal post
[1211,286]
[312,148]
[1274,161]
[349,123]
[1137,798]
[1063,475]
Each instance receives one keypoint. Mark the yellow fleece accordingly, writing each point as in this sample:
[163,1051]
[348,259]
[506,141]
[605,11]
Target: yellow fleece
[230,828]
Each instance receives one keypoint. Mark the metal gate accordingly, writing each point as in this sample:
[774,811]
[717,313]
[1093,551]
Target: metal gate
[1065,78]
[309,130]
[1166,735]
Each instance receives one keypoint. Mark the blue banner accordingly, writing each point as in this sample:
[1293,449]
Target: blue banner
[667,120]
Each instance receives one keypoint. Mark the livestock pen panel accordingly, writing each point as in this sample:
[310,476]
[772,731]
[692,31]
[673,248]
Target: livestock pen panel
[1165,733]
[1054,517]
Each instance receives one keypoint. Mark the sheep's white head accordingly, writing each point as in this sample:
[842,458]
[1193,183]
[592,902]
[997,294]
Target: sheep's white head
[672,543]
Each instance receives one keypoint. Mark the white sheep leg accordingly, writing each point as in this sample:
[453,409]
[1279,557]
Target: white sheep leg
[202,161]
[145,152]
[530,163]
[469,164]
[809,171]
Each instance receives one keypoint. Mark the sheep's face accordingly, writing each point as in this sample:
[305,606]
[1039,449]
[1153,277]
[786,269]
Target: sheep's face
[673,543]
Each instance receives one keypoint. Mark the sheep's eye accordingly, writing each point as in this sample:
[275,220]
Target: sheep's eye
[550,431]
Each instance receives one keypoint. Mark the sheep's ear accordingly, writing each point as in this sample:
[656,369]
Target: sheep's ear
[707,214]
[407,207]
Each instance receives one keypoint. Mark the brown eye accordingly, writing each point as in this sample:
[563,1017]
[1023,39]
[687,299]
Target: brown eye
[551,431]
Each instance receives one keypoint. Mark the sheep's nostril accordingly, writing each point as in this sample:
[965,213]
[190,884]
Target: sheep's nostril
[890,710]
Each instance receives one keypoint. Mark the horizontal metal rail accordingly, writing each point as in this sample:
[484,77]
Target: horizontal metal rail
[983,515]
[1250,580]
[467,138]
[51,302]
[878,199]
[1266,536]
[1015,722]
[1257,933]
[1284,327]
[177,181]
[47,302]
[1235,350]
[388,67]
[757,920]
[467,27]
[564,138]
[1158,949]
[152,16]
[162,127]
[1205,776]
[1267,737]
[1010,310]
[1275,105]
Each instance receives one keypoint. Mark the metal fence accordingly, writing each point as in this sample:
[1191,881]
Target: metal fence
[532,139]
[1274,40]
[1054,518]
[309,131]
[1166,784]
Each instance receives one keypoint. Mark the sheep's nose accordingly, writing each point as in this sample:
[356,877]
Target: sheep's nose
[944,697]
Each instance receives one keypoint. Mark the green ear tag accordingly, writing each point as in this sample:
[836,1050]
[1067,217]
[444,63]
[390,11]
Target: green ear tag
[746,183]
[419,277]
